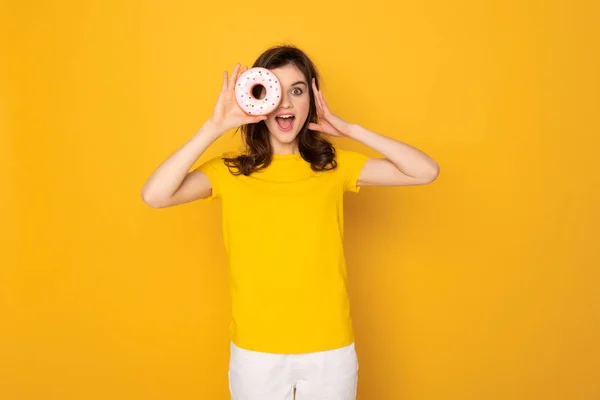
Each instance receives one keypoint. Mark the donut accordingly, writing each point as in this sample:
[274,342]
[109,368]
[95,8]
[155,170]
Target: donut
[246,82]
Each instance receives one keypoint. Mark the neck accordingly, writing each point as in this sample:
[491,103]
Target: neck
[285,148]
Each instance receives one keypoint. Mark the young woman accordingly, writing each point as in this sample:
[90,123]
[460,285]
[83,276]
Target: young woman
[282,212]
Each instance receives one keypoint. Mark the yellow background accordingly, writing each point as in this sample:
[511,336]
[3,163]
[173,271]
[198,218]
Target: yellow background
[483,285]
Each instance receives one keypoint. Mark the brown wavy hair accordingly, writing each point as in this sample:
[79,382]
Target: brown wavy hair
[313,147]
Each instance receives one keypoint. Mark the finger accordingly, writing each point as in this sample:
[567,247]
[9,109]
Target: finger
[315,95]
[315,92]
[319,111]
[324,104]
[315,127]
[224,85]
[321,103]
[242,70]
[317,103]
[234,76]
[321,99]
[319,106]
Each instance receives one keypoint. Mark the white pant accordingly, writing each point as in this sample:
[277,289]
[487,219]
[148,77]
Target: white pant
[322,375]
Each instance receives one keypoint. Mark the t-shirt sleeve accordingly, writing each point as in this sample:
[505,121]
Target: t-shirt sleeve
[351,164]
[215,170]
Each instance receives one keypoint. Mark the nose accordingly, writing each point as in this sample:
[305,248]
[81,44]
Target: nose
[285,101]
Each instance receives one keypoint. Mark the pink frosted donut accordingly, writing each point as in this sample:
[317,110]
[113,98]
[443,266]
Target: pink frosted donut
[246,83]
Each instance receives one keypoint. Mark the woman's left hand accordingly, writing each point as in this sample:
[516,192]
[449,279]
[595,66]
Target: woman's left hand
[329,123]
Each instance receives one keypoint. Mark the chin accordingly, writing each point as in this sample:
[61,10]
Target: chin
[283,137]
[289,138]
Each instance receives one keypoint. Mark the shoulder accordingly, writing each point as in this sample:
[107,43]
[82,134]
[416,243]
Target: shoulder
[349,158]
[350,164]
[216,164]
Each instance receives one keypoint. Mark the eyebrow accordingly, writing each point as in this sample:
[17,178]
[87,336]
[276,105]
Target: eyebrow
[299,83]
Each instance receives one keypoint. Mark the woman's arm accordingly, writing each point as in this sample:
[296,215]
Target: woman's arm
[171,183]
[403,164]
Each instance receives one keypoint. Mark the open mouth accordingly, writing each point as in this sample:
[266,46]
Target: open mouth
[285,123]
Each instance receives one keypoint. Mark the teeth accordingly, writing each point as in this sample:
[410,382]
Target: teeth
[285,116]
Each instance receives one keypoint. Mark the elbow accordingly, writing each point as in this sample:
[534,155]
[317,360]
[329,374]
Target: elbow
[432,176]
[150,200]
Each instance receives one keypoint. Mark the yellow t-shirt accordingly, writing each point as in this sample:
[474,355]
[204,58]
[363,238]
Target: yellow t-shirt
[283,234]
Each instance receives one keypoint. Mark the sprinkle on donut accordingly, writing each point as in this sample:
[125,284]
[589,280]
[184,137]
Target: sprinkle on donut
[246,83]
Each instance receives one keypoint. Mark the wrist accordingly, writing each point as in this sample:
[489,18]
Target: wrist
[212,128]
[352,131]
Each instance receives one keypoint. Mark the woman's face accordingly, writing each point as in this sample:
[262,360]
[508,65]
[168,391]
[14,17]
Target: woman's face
[295,102]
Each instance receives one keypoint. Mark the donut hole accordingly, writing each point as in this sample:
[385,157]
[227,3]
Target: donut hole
[258,91]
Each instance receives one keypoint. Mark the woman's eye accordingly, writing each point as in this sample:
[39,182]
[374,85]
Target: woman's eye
[297,91]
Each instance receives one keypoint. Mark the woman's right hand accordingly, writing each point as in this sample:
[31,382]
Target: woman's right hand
[227,113]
